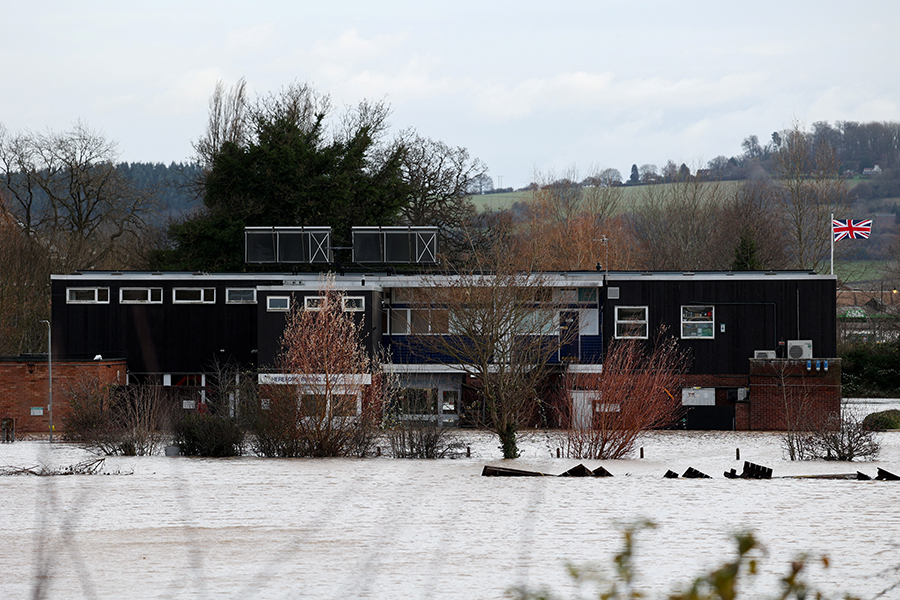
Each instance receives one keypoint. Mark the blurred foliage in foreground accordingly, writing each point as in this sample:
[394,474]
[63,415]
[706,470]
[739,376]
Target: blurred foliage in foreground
[722,583]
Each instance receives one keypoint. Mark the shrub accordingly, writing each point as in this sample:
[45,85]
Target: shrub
[627,399]
[870,370]
[209,435]
[842,438]
[886,419]
[110,419]
[412,438]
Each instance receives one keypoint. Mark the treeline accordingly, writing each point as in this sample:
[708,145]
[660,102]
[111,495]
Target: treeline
[871,148]
[175,186]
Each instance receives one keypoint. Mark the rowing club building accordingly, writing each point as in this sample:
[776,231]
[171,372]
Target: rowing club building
[760,343]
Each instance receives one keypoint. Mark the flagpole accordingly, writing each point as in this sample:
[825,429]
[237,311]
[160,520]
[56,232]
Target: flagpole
[831,226]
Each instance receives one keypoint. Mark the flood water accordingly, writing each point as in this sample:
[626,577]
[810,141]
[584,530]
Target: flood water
[178,527]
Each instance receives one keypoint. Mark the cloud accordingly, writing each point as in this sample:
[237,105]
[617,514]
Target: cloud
[257,38]
[350,48]
[184,93]
[596,92]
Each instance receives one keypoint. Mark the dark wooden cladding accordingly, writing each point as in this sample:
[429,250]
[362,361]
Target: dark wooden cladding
[166,337]
[757,312]
[271,324]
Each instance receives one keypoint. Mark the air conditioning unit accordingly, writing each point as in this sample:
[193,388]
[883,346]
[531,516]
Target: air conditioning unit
[764,354]
[799,349]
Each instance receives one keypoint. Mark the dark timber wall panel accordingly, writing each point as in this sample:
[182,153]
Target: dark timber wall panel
[757,313]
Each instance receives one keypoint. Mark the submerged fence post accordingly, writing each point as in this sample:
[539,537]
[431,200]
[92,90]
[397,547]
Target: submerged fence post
[737,454]
[642,452]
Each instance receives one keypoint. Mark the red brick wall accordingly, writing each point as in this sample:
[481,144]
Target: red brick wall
[784,395]
[24,385]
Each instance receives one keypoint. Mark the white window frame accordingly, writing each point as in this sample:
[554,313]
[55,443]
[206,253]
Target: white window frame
[153,295]
[207,295]
[691,322]
[318,302]
[639,322]
[349,306]
[229,300]
[272,308]
[97,294]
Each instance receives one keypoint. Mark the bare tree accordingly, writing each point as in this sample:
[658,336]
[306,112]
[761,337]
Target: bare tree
[228,121]
[111,419]
[673,224]
[649,173]
[752,233]
[606,412]
[565,223]
[66,191]
[810,191]
[503,329]
[439,179]
[24,293]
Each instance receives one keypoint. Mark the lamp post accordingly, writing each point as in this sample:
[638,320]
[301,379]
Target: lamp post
[50,374]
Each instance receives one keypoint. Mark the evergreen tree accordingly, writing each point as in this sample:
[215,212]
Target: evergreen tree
[289,170]
[745,257]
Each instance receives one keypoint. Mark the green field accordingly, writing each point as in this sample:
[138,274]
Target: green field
[631,195]
[861,271]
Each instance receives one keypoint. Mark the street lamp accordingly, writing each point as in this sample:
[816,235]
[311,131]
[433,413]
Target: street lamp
[50,374]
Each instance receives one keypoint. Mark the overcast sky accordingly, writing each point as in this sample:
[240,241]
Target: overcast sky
[525,86]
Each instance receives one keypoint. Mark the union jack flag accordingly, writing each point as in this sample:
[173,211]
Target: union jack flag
[851,229]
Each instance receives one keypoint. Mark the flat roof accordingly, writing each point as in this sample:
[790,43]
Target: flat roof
[385,279]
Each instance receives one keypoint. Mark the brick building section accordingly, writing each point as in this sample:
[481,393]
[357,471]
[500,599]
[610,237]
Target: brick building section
[792,395]
[24,385]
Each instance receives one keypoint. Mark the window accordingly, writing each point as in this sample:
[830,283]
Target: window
[587,294]
[140,295]
[314,302]
[278,303]
[194,295]
[399,321]
[240,296]
[565,295]
[406,321]
[91,295]
[354,303]
[697,322]
[631,322]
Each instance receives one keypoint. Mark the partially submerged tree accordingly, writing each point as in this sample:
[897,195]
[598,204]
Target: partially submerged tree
[117,419]
[328,402]
[636,392]
[503,329]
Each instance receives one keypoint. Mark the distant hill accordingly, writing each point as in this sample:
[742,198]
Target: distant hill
[174,184]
